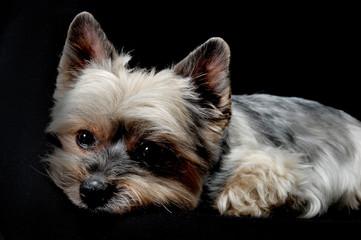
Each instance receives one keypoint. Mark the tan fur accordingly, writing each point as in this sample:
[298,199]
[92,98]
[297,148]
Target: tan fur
[260,180]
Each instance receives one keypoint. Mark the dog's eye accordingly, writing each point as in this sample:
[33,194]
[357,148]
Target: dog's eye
[151,152]
[85,139]
[155,155]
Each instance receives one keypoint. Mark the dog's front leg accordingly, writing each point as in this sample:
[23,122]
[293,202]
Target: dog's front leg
[258,181]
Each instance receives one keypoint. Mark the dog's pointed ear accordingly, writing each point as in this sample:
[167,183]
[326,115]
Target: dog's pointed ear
[86,42]
[208,68]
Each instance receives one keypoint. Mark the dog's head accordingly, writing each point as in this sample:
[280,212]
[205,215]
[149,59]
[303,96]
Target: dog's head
[131,138]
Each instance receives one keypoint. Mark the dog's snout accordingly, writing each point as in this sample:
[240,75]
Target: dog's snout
[95,192]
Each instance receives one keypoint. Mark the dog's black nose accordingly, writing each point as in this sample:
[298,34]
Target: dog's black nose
[95,192]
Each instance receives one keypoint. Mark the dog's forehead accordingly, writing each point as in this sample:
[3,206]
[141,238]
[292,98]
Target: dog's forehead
[126,96]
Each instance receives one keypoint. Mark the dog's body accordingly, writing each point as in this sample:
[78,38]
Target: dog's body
[288,149]
[133,138]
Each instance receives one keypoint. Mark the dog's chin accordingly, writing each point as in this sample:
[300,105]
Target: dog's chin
[107,208]
[112,209]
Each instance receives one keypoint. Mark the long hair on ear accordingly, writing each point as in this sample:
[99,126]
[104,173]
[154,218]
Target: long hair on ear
[86,42]
[208,68]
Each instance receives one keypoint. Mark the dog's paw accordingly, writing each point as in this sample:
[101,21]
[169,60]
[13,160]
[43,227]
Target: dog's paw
[259,182]
[249,196]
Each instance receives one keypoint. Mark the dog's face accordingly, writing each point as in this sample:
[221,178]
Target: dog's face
[132,138]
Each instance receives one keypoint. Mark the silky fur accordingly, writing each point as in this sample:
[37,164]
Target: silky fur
[251,154]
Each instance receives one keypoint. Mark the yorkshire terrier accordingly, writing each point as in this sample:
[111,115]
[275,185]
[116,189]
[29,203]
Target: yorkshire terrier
[134,138]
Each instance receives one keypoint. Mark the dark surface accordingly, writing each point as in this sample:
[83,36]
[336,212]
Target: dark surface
[304,51]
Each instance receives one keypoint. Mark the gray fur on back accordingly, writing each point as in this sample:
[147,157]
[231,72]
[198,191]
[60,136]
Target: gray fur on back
[298,125]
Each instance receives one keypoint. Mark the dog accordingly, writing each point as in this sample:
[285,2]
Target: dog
[129,139]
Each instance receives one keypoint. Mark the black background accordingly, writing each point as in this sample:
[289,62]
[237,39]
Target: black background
[309,51]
